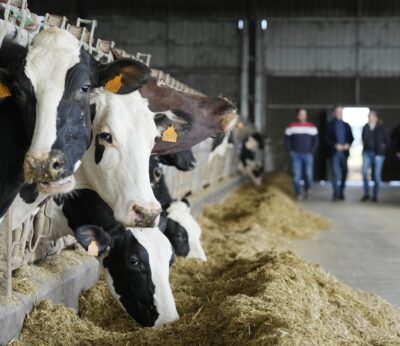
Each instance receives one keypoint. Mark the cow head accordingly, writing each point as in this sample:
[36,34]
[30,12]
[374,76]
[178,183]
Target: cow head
[116,165]
[183,160]
[195,118]
[52,82]
[183,231]
[136,265]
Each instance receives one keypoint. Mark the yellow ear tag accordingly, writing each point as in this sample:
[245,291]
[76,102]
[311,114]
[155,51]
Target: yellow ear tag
[93,250]
[113,85]
[4,91]
[169,135]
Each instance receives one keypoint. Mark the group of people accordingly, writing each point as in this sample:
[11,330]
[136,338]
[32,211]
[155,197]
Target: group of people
[302,140]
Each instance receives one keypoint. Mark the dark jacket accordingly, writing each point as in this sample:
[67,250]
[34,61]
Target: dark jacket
[301,137]
[331,140]
[380,140]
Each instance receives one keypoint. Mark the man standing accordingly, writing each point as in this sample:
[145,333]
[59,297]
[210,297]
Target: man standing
[338,139]
[301,141]
[375,141]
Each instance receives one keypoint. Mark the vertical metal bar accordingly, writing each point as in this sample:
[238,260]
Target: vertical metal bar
[357,53]
[244,73]
[252,67]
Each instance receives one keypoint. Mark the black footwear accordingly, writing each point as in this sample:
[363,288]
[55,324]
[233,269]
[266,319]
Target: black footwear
[375,199]
[365,198]
[341,197]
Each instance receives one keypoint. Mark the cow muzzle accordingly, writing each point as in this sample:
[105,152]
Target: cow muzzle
[145,215]
[47,169]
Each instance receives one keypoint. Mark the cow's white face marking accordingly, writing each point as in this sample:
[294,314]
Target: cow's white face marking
[251,144]
[52,53]
[77,165]
[121,176]
[180,213]
[160,253]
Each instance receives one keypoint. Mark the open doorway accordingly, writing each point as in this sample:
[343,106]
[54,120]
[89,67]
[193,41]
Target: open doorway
[357,117]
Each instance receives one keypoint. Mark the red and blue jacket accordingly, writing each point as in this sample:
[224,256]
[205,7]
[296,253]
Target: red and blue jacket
[301,137]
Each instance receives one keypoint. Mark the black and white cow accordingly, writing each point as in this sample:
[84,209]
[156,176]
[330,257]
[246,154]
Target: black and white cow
[248,164]
[135,261]
[183,160]
[178,223]
[51,81]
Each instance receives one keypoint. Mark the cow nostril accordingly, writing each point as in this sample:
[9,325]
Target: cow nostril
[56,165]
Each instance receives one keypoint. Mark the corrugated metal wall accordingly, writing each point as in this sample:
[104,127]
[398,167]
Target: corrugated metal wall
[205,54]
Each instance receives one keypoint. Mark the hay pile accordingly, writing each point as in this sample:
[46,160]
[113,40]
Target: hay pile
[238,297]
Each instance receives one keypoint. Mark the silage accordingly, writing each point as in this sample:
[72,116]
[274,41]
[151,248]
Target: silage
[244,295]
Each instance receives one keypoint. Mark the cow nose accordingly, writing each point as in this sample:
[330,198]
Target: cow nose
[42,167]
[145,215]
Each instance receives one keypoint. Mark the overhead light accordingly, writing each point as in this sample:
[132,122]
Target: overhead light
[264,24]
[240,24]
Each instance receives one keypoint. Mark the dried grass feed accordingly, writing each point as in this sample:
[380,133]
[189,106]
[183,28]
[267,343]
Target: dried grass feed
[246,294]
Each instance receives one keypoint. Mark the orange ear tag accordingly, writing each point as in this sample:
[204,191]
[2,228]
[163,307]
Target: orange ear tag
[169,135]
[4,91]
[113,85]
[93,250]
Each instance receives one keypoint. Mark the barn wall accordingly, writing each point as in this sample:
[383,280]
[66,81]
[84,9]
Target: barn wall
[205,54]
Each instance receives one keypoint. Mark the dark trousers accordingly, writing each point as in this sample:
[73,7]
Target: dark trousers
[339,170]
[375,162]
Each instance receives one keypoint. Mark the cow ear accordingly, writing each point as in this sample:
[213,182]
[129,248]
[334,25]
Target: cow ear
[94,237]
[122,76]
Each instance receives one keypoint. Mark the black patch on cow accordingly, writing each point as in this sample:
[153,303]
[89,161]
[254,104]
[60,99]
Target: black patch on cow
[129,266]
[13,143]
[183,160]
[29,193]
[178,237]
[98,149]
[159,186]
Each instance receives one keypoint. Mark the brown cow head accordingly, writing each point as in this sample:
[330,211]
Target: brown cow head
[195,118]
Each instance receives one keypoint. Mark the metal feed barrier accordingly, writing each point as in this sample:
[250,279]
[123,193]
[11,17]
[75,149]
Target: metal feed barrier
[29,235]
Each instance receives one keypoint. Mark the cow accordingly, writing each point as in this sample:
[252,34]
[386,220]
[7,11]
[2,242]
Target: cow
[248,164]
[51,81]
[135,261]
[178,224]
[183,160]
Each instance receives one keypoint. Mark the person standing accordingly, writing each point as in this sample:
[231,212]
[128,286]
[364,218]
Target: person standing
[375,142]
[301,141]
[338,138]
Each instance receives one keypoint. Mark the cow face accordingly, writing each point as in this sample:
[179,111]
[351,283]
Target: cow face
[52,85]
[116,164]
[183,160]
[183,231]
[136,265]
[195,118]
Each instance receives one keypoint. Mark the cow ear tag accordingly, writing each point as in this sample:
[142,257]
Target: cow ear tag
[169,135]
[4,91]
[93,250]
[115,84]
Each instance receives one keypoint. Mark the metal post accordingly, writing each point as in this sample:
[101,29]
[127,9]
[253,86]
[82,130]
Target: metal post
[252,67]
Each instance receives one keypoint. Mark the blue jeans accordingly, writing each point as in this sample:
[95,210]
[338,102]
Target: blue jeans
[375,162]
[339,170]
[302,164]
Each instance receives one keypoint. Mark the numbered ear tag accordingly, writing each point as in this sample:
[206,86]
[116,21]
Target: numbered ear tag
[93,250]
[169,135]
[114,85]
[4,91]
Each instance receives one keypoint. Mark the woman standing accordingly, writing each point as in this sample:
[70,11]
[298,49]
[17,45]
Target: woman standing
[375,141]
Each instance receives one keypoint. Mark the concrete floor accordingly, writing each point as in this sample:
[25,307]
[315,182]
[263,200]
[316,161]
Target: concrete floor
[363,248]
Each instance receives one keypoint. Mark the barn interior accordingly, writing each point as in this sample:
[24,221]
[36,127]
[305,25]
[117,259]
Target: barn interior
[279,270]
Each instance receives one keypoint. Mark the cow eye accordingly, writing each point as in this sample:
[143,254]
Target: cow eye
[85,88]
[157,173]
[105,136]
[133,261]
